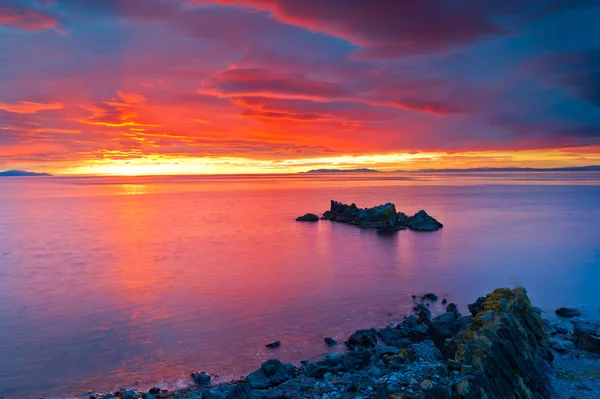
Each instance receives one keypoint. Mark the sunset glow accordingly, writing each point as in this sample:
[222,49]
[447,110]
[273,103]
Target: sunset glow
[142,87]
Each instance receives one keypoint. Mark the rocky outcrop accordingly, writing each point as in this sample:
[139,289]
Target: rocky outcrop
[382,217]
[420,221]
[507,347]
[308,217]
[501,351]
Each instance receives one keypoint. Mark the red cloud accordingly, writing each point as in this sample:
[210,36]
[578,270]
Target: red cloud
[29,107]
[26,19]
[266,83]
[384,28]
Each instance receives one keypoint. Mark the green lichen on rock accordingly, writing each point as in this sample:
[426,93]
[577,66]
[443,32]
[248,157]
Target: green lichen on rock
[507,340]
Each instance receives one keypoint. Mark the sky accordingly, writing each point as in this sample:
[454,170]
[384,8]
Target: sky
[269,86]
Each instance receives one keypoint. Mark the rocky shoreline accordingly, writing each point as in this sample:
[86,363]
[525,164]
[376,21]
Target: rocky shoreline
[381,217]
[503,349]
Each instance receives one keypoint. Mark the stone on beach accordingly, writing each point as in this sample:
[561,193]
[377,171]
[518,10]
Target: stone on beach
[587,335]
[202,379]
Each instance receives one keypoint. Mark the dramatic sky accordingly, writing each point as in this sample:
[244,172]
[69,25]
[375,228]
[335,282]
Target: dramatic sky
[218,86]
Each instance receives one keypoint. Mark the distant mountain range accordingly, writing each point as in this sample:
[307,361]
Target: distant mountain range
[22,173]
[363,170]
[591,168]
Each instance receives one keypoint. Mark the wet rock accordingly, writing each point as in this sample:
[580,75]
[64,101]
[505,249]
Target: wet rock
[356,359]
[561,345]
[147,395]
[131,395]
[587,336]
[560,327]
[309,217]
[444,301]
[429,297]
[381,351]
[154,390]
[423,314]
[201,379]
[330,341]
[509,353]
[362,338]
[568,312]
[271,373]
[273,345]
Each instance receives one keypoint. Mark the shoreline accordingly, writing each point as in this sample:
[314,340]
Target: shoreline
[378,361]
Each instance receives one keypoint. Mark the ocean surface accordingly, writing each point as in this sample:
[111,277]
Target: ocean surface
[105,282]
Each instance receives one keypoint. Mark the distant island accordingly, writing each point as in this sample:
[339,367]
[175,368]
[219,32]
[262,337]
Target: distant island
[591,168]
[22,173]
[363,170]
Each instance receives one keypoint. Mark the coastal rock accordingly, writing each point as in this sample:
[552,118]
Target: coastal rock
[420,221]
[568,312]
[561,345]
[202,379]
[271,373]
[507,347]
[330,341]
[429,297]
[273,345]
[309,217]
[362,339]
[587,336]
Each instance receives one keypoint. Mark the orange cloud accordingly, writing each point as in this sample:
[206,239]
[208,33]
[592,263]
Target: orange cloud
[29,107]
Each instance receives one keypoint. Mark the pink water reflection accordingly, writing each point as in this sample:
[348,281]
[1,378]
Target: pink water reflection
[107,281]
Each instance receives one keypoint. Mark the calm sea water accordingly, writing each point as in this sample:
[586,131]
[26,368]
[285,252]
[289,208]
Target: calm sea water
[109,281]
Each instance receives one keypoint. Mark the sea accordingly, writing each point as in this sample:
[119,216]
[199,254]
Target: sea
[135,282]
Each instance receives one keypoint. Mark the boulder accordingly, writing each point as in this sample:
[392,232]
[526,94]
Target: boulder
[568,312]
[587,335]
[430,297]
[271,373]
[330,341]
[561,345]
[202,379]
[309,217]
[362,339]
[507,347]
[273,345]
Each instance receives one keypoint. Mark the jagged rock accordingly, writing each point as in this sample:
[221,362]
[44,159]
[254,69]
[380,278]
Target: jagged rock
[330,341]
[446,326]
[507,346]
[568,312]
[356,359]
[587,335]
[420,221]
[309,217]
[560,327]
[382,217]
[454,309]
[476,307]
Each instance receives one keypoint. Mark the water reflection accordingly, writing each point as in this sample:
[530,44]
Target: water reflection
[99,289]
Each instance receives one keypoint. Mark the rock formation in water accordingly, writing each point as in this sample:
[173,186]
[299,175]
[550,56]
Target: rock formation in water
[308,217]
[382,217]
